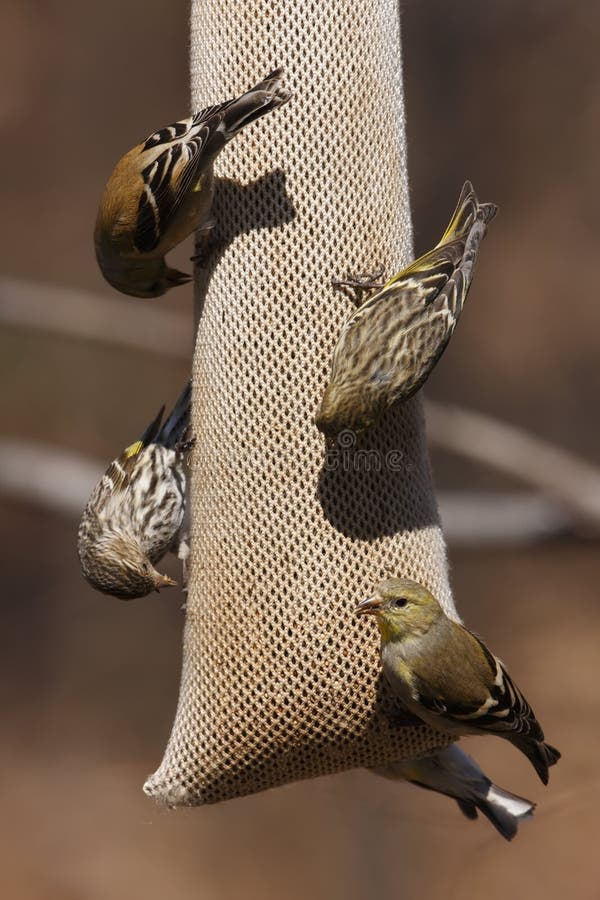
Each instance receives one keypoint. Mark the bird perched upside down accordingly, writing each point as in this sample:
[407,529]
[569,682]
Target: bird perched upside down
[456,774]
[388,348]
[446,676]
[135,513]
[162,190]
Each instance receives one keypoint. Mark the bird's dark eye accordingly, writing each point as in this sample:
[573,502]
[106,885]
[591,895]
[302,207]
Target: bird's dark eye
[399,602]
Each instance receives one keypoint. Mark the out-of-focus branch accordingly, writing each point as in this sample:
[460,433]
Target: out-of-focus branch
[143,326]
[127,322]
[56,479]
[560,474]
[61,481]
[481,519]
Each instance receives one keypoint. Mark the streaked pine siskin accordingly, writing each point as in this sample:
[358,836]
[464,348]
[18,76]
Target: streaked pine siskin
[388,348]
[135,513]
[456,774]
[446,675]
[162,190]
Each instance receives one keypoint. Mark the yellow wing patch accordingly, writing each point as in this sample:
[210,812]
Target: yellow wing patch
[133,449]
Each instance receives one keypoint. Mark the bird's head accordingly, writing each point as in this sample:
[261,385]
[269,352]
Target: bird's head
[344,407]
[118,566]
[150,278]
[403,608]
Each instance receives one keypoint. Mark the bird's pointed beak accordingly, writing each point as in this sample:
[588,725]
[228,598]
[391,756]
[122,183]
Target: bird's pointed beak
[164,581]
[370,606]
[176,277]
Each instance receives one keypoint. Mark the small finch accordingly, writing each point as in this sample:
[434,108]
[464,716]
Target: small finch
[456,774]
[162,191]
[135,513]
[446,676]
[388,348]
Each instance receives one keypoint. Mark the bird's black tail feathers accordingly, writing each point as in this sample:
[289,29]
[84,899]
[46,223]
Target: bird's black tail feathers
[258,101]
[540,755]
[153,429]
[174,429]
[468,210]
[177,424]
[225,120]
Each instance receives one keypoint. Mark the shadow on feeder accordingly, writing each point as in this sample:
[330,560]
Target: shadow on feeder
[240,209]
[366,479]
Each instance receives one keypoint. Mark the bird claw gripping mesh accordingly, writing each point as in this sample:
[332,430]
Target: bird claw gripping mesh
[280,679]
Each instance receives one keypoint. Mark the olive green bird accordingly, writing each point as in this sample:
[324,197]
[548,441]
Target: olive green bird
[388,348]
[447,677]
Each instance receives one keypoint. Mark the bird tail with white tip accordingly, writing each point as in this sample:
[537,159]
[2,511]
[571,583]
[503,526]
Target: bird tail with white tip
[503,809]
[456,774]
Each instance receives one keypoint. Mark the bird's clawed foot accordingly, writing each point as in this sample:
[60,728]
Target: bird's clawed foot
[204,237]
[362,282]
[185,446]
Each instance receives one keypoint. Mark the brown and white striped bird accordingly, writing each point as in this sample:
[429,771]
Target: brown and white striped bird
[446,675]
[162,191]
[135,513]
[388,348]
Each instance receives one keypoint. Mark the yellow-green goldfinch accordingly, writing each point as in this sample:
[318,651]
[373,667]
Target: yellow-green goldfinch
[456,774]
[162,190]
[446,676]
[135,513]
[388,348]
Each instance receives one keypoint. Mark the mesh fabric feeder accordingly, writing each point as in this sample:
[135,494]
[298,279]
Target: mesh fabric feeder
[281,680]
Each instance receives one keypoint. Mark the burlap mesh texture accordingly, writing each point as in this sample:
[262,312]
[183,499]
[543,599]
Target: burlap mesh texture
[281,680]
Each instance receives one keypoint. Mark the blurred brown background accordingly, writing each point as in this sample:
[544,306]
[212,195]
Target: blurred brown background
[506,94]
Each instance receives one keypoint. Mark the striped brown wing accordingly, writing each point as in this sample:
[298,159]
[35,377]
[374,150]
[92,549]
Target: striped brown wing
[118,475]
[188,147]
[394,340]
[171,173]
[115,481]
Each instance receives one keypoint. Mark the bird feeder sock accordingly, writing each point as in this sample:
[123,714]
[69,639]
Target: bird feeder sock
[281,680]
